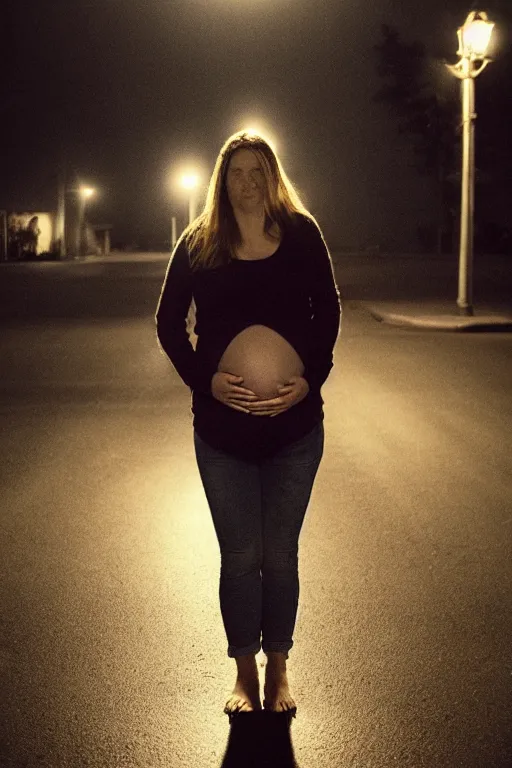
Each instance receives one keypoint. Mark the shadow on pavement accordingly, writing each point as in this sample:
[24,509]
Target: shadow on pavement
[259,740]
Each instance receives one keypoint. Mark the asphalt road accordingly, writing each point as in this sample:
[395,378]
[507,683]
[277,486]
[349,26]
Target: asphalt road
[112,649]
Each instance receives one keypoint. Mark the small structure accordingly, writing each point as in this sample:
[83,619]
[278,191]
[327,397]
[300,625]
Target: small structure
[102,235]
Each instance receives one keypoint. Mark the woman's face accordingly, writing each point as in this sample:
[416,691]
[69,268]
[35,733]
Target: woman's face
[245,181]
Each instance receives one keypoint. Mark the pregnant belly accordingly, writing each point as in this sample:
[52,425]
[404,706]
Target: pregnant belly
[263,357]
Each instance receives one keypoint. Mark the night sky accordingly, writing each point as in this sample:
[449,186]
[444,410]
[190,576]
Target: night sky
[129,91]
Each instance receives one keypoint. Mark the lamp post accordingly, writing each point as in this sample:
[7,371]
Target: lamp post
[474,38]
[60,219]
[191,182]
[174,236]
[84,193]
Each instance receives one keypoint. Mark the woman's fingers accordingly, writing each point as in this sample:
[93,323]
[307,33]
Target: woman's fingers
[238,407]
[267,413]
[254,413]
[243,393]
[268,405]
[244,398]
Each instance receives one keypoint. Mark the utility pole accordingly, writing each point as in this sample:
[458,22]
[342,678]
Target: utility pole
[60,224]
[173,232]
[192,206]
[79,224]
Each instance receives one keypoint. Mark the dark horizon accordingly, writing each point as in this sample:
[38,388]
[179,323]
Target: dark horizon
[128,92]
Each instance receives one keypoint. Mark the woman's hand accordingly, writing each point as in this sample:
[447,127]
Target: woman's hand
[226,388]
[293,391]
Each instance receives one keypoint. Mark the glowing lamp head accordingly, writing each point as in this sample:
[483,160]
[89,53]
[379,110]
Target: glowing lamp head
[190,180]
[475,36]
[86,192]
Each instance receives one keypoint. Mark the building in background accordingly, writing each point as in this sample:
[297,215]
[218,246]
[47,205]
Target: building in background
[31,235]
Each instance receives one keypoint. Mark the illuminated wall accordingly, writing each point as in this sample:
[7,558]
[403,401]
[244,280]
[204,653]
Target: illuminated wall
[46,224]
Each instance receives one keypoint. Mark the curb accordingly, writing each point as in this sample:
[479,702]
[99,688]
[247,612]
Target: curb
[444,322]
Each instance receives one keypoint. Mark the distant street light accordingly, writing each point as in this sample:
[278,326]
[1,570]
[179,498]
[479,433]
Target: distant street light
[185,178]
[84,193]
[474,38]
[190,181]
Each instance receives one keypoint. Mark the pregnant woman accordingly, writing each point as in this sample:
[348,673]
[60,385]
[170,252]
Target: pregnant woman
[267,315]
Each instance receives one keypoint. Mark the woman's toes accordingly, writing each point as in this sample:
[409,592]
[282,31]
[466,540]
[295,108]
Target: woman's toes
[232,704]
[238,704]
[279,700]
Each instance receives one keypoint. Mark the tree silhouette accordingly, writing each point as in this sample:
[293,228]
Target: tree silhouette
[430,118]
[428,108]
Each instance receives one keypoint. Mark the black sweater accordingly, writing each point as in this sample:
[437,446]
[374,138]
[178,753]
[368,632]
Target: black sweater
[294,292]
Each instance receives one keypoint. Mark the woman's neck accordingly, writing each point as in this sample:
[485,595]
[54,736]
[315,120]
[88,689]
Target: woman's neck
[251,226]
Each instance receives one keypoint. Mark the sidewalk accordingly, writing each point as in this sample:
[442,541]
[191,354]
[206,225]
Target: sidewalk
[122,256]
[113,257]
[439,316]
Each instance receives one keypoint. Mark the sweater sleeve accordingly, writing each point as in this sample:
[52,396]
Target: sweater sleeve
[325,305]
[171,320]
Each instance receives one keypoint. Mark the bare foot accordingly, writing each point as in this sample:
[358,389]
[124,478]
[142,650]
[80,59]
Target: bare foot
[277,692]
[245,696]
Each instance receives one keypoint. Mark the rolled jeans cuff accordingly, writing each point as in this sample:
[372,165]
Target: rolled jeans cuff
[233,651]
[277,648]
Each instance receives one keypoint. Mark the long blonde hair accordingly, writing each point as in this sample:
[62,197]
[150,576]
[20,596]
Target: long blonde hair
[215,232]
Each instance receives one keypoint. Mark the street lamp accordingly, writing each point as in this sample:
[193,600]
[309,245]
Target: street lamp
[474,38]
[190,181]
[84,193]
[186,177]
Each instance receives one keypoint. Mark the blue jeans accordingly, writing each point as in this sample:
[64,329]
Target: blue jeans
[258,510]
